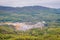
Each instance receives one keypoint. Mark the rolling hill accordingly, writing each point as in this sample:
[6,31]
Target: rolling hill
[29,14]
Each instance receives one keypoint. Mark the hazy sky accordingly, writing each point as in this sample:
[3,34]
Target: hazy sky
[21,3]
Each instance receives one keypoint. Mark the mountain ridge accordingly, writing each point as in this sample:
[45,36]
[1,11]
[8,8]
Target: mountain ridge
[29,13]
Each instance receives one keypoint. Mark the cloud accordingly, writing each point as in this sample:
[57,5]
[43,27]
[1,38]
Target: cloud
[20,3]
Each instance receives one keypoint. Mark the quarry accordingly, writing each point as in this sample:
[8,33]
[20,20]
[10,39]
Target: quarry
[25,25]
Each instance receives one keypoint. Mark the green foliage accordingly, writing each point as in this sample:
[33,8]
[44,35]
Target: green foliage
[47,33]
[29,14]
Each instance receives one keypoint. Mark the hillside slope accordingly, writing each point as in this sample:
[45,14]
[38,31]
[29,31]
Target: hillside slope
[29,14]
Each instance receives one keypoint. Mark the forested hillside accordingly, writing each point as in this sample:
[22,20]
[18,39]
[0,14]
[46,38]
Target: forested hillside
[29,14]
[34,14]
[47,33]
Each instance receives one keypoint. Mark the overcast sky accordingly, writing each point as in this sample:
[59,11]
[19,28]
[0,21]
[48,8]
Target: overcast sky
[21,3]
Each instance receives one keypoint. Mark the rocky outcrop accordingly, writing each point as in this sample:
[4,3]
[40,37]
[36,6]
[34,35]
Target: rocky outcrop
[26,25]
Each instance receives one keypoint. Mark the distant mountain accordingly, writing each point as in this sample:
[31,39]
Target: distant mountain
[29,14]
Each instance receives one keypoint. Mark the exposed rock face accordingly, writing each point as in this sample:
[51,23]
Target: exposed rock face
[26,25]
